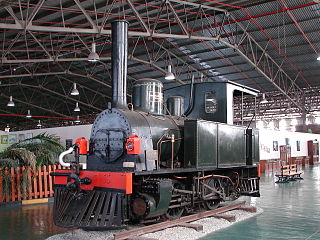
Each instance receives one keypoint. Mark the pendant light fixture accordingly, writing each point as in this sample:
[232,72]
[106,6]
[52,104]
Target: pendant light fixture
[29,114]
[264,100]
[10,103]
[77,109]
[169,74]
[93,56]
[74,91]
[77,120]
[7,128]
[39,124]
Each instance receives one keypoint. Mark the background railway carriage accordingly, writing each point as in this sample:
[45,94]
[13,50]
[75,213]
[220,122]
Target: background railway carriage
[145,163]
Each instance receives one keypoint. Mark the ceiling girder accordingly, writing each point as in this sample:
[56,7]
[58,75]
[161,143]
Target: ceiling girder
[245,45]
[35,106]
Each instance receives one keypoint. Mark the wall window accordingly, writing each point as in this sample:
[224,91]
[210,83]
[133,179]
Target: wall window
[298,145]
[275,146]
[210,102]
[287,141]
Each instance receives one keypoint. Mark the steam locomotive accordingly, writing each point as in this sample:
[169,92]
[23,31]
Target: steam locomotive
[151,162]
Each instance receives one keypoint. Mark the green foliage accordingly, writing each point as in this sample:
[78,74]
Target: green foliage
[6,181]
[40,150]
[8,163]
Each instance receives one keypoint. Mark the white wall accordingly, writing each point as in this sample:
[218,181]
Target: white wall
[266,139]
[268,136]
[70,132]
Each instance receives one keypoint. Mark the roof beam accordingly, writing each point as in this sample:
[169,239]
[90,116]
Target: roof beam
[181,24]
[45,60]
[52,74]
[86,15]
[38,28]
[13,15]
[35,106]
[36,9]
[255,56]
[154,65]
[42,88]
[138,16]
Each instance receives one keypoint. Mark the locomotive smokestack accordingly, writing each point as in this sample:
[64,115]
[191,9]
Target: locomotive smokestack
[119,63]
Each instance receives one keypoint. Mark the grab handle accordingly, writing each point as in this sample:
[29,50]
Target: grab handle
[61,156]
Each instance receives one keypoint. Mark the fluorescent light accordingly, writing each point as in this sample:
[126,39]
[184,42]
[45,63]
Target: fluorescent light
[169,74]
[29,114]
[74,91]
[10,103]
[93,56]
[77,109]
[318,58]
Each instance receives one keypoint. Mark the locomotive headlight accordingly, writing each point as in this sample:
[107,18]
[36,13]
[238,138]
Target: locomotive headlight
[133,145]
[130,146]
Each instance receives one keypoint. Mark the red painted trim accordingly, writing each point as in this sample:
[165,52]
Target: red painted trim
[114,180]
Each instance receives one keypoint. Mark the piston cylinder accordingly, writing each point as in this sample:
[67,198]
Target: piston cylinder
[148,96]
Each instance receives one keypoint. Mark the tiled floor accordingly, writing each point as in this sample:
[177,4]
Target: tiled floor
[291,211]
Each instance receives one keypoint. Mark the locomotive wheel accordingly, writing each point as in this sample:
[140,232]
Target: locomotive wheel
[213,184]
[174,213]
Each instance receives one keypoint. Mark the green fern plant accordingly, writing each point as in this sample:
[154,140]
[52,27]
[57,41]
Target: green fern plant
[40,150]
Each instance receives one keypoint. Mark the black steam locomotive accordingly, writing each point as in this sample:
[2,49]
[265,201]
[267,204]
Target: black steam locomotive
[143,165]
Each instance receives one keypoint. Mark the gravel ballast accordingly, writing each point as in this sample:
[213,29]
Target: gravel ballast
[210,225]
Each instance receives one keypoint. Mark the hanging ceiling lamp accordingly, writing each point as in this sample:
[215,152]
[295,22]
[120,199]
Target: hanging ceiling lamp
[74,91]
[169,74]
[93,56]
[77,120]
[39,124]
[264,100]
[7,128]
[10,103]
[29,114]
[77,109]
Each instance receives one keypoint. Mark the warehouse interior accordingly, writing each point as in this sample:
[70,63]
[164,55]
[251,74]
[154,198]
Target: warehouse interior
[271,46]
[56,78]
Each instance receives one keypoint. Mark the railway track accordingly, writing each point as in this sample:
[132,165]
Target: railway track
[184,221]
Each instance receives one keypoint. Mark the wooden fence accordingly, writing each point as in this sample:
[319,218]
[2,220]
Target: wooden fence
[23,183]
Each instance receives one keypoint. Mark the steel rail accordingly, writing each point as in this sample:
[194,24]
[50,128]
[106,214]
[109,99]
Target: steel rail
[173,223]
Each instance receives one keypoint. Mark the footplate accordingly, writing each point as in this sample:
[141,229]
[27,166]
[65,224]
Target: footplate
[250,186]
[88,209]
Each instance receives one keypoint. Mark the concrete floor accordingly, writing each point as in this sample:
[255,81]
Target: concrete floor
[291,211]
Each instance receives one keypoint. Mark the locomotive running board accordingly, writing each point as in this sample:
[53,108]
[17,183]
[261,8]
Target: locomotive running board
[88,209]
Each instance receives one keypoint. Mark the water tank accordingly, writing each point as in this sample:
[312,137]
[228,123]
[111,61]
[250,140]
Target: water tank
[175,105]
[147,96]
